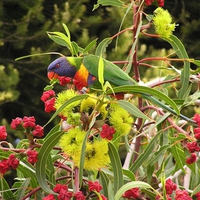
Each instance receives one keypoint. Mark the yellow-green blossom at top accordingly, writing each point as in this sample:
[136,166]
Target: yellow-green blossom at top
[90,103]
[62,97]
[120,119]
[96,155]
[163,23]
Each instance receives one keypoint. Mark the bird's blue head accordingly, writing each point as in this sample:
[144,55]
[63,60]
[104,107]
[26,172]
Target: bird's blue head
[60,67]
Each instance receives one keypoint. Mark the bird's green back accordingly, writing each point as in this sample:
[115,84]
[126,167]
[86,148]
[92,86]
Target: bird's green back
[112,73]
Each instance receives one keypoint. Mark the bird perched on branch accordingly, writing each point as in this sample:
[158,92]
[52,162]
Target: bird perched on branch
[84,72]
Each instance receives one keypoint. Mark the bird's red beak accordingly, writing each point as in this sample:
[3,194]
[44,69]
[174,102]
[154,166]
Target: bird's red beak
[52,75]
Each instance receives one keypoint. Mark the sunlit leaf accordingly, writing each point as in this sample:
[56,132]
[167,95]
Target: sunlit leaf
[101,71]
[132,109]
[116,165]
[133,184]
[67,31]
[44,152]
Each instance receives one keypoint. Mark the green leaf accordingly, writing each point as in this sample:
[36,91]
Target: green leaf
[5,189]
[101,71]
[129,174]
[75,48]
[116,165]
[23,188]
[132,109]
[67,31]
[196,190]
[83,156]
[104,180]
[145,154]
[90,45]
[44,152]
[101,48]
[182,54]
[27,170]
[117,3]
[60,39]
[142,91]
[68,102]
[175,149]
[133,49]
[196,62]
[130,6]
[134,184]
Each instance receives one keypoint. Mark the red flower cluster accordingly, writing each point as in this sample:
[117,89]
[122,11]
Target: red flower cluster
[48,97]
[64,80]
[79,196]
[182,195]
[79,85]
[170,186]
[132,193]
[6,164]
[32,156]
[194,146]
[64,194]
[94,186]
[191,159]
[49,197]
[27,123]
[160,2]
[197,195]
[3,133]
[107,132]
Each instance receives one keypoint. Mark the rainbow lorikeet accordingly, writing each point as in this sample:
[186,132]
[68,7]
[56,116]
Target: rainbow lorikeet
[84,71]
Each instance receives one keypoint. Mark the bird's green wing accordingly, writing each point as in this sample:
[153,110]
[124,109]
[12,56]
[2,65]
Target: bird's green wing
[112,73]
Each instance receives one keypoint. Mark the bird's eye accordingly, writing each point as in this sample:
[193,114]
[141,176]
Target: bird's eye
[57,65]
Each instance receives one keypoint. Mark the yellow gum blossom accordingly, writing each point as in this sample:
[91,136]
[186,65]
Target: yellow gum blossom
[120,119]
[90,103]
[162,21]
[62,97]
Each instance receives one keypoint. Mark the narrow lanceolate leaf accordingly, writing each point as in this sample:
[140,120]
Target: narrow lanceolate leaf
[44,152]
[117,167]
[104,180]
[145,154]
[23,188]
[175,152]
[67,31]
[60,39]
[90,45]
[101,48]
[83,148]
[134,184]
[5,189]
[75,48]
[132,109]
[145,92]
[101,71]
[117,3]
[182,54]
